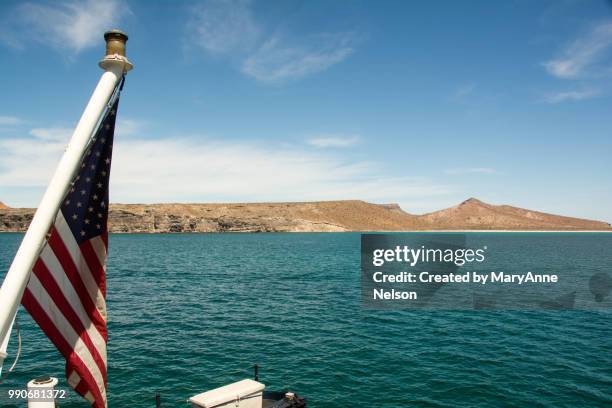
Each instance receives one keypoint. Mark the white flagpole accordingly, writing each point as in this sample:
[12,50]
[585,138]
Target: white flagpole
[115,65]
[4,344]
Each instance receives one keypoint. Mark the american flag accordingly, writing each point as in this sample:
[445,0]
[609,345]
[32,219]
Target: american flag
[67,288]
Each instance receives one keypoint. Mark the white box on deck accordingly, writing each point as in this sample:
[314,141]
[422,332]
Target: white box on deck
[242,394]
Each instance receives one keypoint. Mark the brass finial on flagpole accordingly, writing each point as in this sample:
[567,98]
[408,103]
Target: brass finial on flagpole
[115,42]
[115,50]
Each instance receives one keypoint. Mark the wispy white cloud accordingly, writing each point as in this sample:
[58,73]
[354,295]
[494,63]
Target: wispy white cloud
[10,121]
[463,91]
[276,61]
[471,170]
[333,141]
[55,134]
[68,24]
[188,170]
[222,26]
[29,161]
[229,27]
[585,56]
[129,127]
[124,127]
[564,96]
[238,171]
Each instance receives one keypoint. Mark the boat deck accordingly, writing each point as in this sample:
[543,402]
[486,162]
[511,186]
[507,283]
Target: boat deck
[268,403]
[272,399]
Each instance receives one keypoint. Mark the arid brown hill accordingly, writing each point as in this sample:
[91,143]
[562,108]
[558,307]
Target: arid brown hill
[3,206]
[473,214]
[320,216]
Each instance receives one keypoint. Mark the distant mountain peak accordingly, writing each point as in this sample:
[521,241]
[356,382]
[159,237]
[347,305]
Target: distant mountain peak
[473,214]
[472,201]
[2,205]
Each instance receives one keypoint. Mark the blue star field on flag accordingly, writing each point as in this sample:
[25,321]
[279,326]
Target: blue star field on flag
[85,207]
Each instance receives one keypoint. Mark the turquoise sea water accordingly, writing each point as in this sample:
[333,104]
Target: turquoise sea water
[188,313]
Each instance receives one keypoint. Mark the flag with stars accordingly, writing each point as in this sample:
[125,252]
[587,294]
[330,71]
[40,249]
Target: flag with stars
[66,293]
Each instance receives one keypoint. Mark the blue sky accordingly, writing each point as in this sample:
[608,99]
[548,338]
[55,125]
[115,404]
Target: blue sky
[424,104]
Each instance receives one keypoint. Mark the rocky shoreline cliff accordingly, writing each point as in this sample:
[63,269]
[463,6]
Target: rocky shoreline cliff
[322,216]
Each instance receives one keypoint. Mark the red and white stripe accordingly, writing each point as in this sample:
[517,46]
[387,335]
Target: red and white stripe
[66,297]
